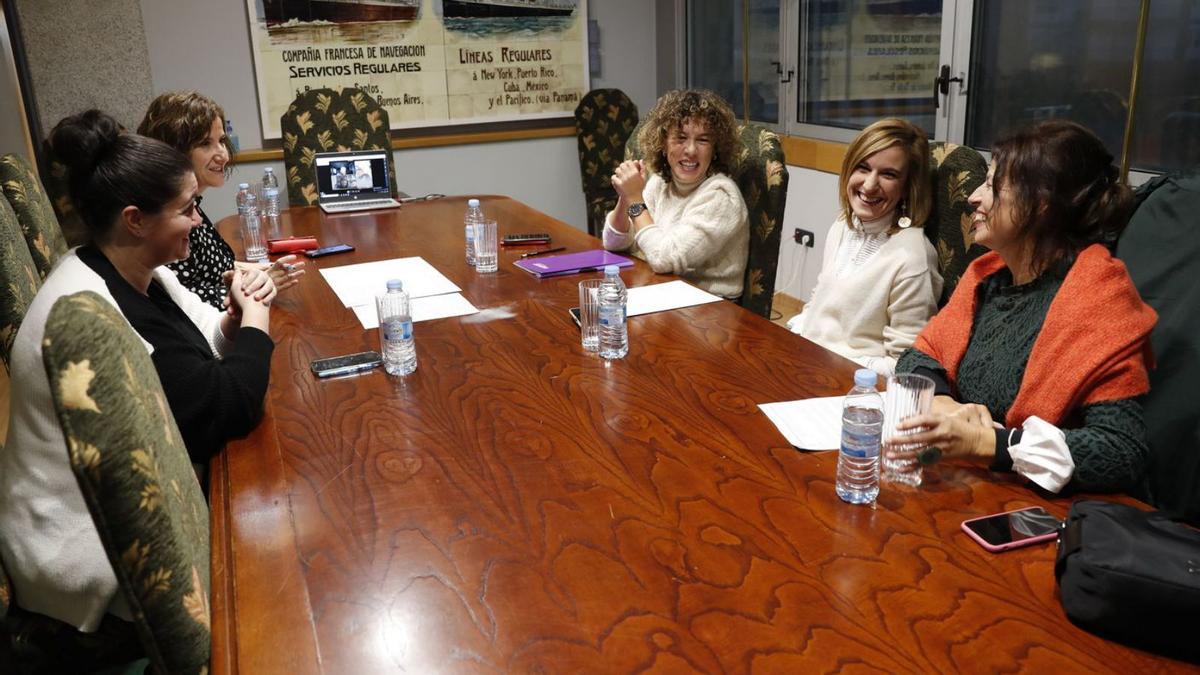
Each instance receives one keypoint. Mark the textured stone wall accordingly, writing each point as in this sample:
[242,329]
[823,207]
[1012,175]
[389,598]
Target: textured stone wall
[86,54]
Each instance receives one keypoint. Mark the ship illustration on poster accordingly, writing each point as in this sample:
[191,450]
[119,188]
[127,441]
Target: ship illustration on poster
[481,9]
[290,12]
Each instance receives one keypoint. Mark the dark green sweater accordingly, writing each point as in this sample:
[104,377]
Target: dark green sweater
[1107,440]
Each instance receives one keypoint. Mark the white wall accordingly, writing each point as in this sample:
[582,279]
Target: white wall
[12,120]
[206,46]
[812,205]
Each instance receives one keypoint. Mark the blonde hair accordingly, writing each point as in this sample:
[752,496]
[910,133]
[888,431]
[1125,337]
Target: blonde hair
[886,133]
[682,105]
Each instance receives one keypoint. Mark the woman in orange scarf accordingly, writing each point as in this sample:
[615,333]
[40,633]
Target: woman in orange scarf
[1046,334]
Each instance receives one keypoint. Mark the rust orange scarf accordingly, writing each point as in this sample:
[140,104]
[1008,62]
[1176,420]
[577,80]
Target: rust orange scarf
[1094,344]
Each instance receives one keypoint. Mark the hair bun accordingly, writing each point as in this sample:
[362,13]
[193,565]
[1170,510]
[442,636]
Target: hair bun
[81,141]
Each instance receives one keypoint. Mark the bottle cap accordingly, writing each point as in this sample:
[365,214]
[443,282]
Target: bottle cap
[268,170]
[243,186]
[472,202]
[865,377]
[395,285]
[612,271]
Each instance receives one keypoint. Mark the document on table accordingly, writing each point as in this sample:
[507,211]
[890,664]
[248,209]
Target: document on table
[664,296]
[357,285]
[808,424]
[423,309]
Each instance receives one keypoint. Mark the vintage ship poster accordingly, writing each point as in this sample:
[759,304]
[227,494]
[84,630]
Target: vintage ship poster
[429,62]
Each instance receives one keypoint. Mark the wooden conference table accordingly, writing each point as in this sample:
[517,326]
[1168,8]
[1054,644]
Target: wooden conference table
[519,505]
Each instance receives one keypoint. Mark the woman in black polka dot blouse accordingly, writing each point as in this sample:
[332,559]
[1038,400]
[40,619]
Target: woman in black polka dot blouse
[195,125]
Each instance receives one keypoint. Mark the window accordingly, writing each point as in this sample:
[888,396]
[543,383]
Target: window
[964,70]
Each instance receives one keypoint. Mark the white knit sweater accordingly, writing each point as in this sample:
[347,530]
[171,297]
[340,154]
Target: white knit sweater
[875,312]
[703,236]
[50,546]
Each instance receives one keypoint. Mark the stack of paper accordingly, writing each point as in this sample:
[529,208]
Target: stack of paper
[434,296]
[808,424]
[669,295]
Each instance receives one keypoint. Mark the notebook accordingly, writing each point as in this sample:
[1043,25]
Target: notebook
[571,263]
[354,181]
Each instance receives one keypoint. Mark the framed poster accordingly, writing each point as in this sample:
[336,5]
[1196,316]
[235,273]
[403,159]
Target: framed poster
[429,62]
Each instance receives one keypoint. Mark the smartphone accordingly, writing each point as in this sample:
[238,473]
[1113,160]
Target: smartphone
[345,365]
[574,312]
[1012,529]
[525,239]
[329,250]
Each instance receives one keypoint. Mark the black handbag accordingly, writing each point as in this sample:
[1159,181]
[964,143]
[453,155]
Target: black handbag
[1131,576]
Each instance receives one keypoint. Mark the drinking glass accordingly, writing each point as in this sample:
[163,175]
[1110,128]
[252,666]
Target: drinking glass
[485,246]
[589,314]
[906,395]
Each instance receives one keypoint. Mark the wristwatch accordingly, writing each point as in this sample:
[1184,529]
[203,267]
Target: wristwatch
[635,210]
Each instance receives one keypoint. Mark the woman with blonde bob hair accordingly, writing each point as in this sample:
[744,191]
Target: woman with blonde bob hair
[194,124]
[879,281]
[678,209]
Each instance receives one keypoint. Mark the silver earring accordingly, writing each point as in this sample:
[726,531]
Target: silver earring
[904,220]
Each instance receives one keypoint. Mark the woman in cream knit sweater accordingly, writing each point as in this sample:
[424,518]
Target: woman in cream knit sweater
[879,280]
[688,217]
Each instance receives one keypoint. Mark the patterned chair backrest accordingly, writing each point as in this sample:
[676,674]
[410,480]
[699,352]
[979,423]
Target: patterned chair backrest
[54,177]
[604,119]
[19,280]
[38,222]
[761,173]
[956,170]
[324,120]
[137,481]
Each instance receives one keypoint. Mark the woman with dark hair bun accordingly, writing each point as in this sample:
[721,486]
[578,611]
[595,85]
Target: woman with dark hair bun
[195,125]
[137,197]
[1045,334]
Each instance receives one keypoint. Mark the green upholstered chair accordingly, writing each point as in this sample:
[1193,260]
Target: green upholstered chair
[604,119]
[38,223]
[1162,253]
[760,171]
[956,170]
[19,280]
[324,120]
[137,481]
[54,177]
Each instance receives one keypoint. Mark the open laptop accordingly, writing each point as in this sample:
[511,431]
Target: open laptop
[354,181]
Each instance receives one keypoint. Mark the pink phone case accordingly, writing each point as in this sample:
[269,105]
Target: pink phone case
[1011,545]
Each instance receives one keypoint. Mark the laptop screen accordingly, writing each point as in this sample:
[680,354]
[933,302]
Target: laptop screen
[346,176]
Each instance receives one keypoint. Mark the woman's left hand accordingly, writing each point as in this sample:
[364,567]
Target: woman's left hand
[629,180]
[968,432]
[257,283]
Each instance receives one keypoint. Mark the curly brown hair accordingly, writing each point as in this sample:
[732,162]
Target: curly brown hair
[679,106]
[182,120]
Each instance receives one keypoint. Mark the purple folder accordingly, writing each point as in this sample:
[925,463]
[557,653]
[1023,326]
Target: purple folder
[571,263]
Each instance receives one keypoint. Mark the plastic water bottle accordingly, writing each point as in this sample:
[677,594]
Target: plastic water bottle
[614,334]
[862,425]
[474,214]
[253,240]
[395,330]
[270,203]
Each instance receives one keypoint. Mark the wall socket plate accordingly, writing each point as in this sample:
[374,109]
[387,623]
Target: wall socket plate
[804,237]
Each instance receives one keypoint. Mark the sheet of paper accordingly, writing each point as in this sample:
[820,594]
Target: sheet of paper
[664,296]
[808,424]
[357,285]
[423,309]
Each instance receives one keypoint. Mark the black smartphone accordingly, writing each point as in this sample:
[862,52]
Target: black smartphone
[345,365]
[329,250]
[525,239]
[1002,531]
[574,312]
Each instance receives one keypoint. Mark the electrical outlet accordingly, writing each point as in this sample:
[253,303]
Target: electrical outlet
[804,237]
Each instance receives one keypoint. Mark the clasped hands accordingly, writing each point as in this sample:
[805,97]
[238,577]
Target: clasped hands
[249,287]
[956,429]
[629,180]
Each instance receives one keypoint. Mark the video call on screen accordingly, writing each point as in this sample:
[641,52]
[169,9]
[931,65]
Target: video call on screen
[348,176]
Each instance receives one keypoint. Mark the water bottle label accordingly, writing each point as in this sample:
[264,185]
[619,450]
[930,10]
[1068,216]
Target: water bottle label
[397,330]
[612,316]
[271,193]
